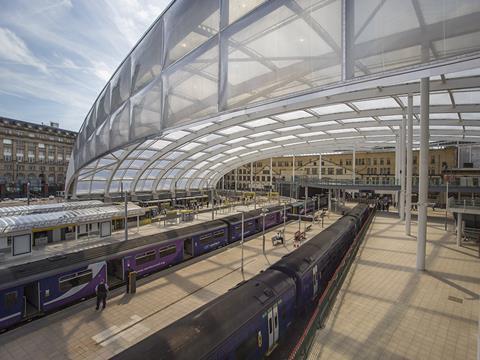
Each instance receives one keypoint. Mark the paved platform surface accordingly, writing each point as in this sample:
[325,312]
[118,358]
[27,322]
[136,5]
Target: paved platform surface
[80,332]
[388,310]
[67,246]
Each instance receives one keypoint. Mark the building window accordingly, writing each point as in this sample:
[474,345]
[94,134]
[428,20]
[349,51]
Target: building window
[381,161]
[374,161]
[388,161]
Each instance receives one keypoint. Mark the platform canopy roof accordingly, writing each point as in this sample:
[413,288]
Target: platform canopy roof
[10,224]
[219,83]
[46,208]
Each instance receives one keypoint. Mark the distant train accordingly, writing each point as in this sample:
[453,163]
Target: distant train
[250,320]
[33,289]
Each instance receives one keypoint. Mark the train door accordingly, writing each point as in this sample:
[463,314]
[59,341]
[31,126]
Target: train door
[187,248]
[273,329]
[31,299]
[114,272]
[315,280]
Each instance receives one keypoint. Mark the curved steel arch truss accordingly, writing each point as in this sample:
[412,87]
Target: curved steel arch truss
[214,85]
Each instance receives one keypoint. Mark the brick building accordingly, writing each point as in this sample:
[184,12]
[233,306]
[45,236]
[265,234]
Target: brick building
[33,153]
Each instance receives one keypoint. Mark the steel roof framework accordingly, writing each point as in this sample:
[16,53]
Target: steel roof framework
[216,94]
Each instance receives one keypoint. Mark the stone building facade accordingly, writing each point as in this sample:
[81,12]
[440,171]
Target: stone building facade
[371,168]
[35,154]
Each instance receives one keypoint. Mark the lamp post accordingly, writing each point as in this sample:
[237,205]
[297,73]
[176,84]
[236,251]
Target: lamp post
[28,192]
[126,210]
[264,213]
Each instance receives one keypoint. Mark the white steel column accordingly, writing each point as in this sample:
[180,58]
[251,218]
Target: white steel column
[353,166]
[320,167]
[423,172]
[271,173]
[329,200]
[236,179]
[251,176]
[401,208]
[458,155]
[293,169]
[408,200]
[459,229]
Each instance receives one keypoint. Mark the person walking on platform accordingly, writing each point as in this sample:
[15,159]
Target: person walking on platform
[127,277]
[101,290]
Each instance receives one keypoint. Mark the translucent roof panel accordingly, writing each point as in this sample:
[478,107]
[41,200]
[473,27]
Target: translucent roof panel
[467,97]
[232,130]
[176,135]
[263,133]
[293,115]
[259,122]
[375,104]
[332,109]
[290,128]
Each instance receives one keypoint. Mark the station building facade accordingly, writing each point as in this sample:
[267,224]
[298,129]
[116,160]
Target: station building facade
[35,154]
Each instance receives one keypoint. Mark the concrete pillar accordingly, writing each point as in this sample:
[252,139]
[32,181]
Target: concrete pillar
[423,172]
[320,167]
[408,200]
[353,166]
[459,229]
[251,176]
[401,208]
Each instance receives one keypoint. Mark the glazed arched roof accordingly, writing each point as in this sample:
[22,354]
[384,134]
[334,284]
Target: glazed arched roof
[219,83]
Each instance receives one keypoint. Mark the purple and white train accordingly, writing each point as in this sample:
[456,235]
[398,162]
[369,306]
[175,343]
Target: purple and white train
[36,288]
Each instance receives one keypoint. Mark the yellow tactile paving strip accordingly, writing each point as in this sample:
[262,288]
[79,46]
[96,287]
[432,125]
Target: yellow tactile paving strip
[388,310]
[80,332]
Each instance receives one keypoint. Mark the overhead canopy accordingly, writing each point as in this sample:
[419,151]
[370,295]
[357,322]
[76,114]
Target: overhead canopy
[45,208]
[9,224]
[216,84]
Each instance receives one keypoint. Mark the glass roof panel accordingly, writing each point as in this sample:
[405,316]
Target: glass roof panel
[183,164]
[295,143]
[234,150]
[159,164]
[197,155]
[249,153]
[300,114]
[160,144]
[332,109]
[340,131]
[473,128]
[446,127]
[290,128]
[374,128]
[260,134]
[201,164]
[283,138]
[230,159]
[176,135]
[471,116]
[258,143]
[172,155]
[314,133]
[216,166]
[450,116]
[272,147]
[467,97]
[189,146]
[209,137]
[376,104]
[216,157]
[357,120]
[259,122]
[232,130]
[200,126]
[234,141]
[390,117]
[323,123]
[215,148]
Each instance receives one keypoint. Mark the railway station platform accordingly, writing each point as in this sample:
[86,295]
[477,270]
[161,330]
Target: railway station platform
[67,246]
[80,332]
[386,309]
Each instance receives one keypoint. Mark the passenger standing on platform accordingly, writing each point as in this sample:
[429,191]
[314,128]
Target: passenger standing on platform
[127,276]
[101,290]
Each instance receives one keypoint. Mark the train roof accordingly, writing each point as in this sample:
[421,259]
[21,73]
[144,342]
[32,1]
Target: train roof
[186,338]
[63,262]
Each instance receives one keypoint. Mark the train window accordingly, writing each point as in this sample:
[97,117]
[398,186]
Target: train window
[218,234]
[145,257]
[67,282]
[205,239]
[169,250]
[10,299]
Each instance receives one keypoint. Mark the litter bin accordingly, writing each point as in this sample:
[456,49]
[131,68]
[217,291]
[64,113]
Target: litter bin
[132,280]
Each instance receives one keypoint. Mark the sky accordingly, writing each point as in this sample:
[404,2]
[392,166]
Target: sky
[57,55]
